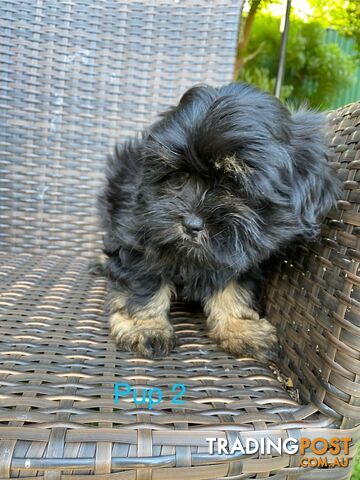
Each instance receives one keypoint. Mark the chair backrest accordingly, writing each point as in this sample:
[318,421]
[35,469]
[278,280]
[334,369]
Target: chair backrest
[75,78]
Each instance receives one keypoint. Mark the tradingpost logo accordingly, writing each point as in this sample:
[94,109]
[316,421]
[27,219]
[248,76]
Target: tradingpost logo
[318,452]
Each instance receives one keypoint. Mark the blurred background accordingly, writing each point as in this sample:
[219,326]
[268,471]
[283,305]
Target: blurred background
[322,55]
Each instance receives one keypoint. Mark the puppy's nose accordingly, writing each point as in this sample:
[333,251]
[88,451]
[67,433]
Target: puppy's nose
[192,224]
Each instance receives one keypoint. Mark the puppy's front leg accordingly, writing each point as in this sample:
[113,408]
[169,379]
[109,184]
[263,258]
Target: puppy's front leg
[236,327]
[140,324]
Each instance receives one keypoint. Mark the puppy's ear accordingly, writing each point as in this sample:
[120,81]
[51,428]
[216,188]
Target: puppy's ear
[315,184]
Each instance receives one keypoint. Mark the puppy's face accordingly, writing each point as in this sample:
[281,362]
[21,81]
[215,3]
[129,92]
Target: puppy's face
[230,177]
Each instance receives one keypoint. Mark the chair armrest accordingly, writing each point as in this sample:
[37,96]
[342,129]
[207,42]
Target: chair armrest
[314,299]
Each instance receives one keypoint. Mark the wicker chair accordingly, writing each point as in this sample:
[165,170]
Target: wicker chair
[75,77]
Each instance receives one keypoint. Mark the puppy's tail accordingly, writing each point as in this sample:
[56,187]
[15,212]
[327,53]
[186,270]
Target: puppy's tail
[97,266]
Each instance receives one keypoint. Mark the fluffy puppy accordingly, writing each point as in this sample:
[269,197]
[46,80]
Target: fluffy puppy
[199,203]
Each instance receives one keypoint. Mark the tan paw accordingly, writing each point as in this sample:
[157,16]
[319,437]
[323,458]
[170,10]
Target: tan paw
[247,338]
[152,338]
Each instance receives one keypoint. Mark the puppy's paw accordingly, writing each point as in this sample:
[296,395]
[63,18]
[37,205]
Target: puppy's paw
[148,339]
[247,338]
[97,266]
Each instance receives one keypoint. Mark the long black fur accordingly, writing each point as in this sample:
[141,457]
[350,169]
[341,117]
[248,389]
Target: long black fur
[278,192]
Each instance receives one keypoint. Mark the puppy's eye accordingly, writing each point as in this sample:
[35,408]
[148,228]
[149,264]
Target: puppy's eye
[167,177]
[175,177]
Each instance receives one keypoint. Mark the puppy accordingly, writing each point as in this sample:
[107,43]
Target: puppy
[199,203]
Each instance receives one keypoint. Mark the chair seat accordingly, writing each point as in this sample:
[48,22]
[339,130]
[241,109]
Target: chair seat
[58,367]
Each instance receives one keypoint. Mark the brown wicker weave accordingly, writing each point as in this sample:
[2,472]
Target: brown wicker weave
[58,367]
[315,300]
[75,76]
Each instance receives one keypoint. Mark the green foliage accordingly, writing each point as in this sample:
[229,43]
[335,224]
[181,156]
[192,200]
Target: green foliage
[315,69]
[260,76]
[356,468]
[341,15]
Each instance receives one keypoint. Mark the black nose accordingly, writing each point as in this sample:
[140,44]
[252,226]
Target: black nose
[192,224]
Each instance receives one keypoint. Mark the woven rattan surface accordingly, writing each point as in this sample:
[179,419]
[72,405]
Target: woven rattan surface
[58,367]
[75,77]
[315,299]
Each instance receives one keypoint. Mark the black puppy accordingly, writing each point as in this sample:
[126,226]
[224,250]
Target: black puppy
[198,204]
